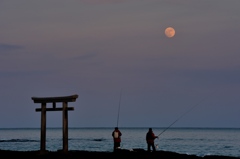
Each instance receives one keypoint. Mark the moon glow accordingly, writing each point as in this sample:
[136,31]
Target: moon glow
[170,32]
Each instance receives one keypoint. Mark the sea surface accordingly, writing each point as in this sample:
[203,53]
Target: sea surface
[196,141]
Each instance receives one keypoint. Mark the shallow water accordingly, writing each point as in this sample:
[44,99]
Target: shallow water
[197,141]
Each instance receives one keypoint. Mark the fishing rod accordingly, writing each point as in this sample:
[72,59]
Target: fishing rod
[184,114]
[119,106]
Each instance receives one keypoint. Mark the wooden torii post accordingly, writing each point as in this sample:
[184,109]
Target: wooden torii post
[64,109]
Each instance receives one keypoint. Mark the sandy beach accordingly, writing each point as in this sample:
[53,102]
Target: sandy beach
[78,154]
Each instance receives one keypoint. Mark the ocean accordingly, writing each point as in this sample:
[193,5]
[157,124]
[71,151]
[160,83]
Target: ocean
[194,141]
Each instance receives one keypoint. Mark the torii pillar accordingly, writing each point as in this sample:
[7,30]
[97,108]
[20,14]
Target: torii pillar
[64,109]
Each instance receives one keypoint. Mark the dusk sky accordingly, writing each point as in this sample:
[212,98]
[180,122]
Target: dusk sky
[96,48]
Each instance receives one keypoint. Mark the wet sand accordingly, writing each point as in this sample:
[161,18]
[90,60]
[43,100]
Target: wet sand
[122,154]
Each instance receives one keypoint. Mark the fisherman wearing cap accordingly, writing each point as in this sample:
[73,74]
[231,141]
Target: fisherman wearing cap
[150,137]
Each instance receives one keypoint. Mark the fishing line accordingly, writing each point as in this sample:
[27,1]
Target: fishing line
[190,109]
[119,104]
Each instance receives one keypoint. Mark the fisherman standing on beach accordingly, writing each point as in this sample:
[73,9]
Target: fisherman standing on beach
[150,137]
[116,134]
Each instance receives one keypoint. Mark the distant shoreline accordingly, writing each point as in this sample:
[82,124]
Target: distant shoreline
[121,127]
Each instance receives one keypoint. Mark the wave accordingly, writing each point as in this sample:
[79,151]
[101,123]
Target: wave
[19,140]
[96,139]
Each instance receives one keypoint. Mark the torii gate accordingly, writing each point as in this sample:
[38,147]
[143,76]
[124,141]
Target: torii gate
[64,109]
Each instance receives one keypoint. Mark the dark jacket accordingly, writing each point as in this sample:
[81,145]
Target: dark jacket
[150,137]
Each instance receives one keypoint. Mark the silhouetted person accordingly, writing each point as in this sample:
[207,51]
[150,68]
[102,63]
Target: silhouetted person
[150,137]
[116,134]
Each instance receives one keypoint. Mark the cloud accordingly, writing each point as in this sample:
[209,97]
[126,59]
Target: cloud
[21,73]
[9,47]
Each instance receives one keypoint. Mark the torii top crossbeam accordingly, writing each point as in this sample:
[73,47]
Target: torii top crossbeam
[71,98]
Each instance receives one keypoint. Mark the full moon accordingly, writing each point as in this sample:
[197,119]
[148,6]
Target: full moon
[170,32]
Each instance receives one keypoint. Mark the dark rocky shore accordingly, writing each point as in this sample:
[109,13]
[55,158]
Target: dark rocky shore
[122,154]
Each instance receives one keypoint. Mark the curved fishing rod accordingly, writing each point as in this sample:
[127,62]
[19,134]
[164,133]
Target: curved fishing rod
[119,104]
[175,121]
[184,114]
